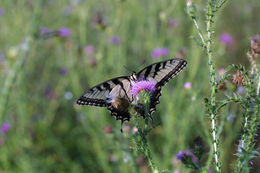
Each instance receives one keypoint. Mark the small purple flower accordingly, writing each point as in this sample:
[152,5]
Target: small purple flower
[156,53]
[44,30]
[180,155]
[64,71]
[226,38]
[184,155]
[115,40]
[2,12]
[64,32]
[159,52]
[188,3]
[5,127]
[89,49]
[164,51]
[172,22]
[142,85]
[188,85]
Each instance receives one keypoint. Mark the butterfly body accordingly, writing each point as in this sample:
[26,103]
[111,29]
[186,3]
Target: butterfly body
[115,94]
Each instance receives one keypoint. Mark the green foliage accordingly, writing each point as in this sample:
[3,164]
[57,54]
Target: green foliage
[41,77]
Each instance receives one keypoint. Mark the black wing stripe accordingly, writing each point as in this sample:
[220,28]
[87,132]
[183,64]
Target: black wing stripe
[106,85]
[164,64]
[147,72]
[156,69]
[88,101]
[97,95]
[179,67]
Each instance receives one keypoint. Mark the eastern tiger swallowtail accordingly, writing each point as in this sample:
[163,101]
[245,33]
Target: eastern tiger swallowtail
[120,89]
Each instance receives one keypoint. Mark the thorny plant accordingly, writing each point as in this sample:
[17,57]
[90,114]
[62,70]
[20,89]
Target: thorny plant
[251,82]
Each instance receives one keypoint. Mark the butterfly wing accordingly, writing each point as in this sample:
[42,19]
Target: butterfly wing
[113,94]
[160,73]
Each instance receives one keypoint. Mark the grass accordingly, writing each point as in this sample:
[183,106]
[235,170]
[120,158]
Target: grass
[49,133]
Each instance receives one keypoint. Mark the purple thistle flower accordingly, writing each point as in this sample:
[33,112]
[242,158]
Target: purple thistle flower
[159,52]
[164,51]
[142,85]
[226,38]
[187,85]
[180,155]
[115,40]
[184,155]
[64,32]
[44,30]
[64,71]
[156,53]
[5,127]
[89,49]
[2,12]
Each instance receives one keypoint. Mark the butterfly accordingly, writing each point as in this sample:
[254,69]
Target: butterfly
[115,94]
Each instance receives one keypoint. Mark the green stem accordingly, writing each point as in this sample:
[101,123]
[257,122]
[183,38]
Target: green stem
[212,84]
[142,145]
[199,31]
[25,47]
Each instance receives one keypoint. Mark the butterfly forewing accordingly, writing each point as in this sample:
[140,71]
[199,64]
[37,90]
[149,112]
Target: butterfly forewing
[163,71]
[98,95]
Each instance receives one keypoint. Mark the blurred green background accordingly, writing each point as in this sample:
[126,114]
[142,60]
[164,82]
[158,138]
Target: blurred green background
[103,39]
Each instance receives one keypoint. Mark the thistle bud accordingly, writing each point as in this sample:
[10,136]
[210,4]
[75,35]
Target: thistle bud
[238,78]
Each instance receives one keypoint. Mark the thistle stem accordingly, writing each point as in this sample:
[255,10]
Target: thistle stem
[141,137]
[199,32]
[212,84]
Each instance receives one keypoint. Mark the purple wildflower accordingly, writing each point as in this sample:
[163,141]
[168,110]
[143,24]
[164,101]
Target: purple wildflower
[64,71]
[115,40]
[183,155]
[188,85]
[142,85]
[156,53]
[164,51]
[226,38]
[188,3]
[159,52]
[180,155]
[172,23]
[44,30]
[89,49]
[64,32]
[2,12]
[5,127]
